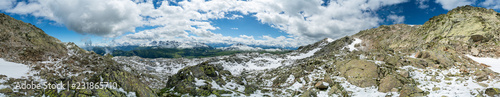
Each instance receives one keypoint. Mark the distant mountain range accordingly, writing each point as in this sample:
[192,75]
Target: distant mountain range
[173,47]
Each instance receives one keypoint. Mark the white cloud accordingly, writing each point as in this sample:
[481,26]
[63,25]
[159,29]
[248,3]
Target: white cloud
[493,4]
[396,19]
[6,4]
[450,4]
[107,18]
[235,17]
[234,28]
[305,21]
[422,4]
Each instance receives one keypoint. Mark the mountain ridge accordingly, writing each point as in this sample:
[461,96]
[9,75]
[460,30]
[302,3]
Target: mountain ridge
[51,61]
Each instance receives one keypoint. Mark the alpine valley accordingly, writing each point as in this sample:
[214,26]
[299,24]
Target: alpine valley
[453,54]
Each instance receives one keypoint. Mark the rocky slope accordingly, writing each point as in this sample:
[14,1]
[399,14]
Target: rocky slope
[433,59]
[52,61]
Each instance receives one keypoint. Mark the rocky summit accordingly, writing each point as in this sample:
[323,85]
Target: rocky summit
[453,54]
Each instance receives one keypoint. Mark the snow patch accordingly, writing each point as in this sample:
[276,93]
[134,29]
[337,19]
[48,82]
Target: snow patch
[13,70]
[351,46]
[308,54]
[444,85]
[2,86]
[199,82]
[494,63]
[329,40]
[412,55]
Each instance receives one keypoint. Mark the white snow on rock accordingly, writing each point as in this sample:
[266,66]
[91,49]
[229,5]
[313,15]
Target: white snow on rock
[236,69]
[13,70]
[329,40]
[450,86]
[2,86]
[308,54]
[494,63]
[199,82]
[351,46]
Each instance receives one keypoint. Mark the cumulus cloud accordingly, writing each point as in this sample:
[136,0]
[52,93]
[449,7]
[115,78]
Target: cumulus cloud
[422,4]
[493,4]
[396,19]
[305,21]
[450,4]
[108,18]
[6,4]
[309,21]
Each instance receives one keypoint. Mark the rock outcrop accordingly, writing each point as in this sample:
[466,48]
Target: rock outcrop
[53,61]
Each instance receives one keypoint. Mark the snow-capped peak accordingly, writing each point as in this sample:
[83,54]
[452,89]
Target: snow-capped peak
[243,47]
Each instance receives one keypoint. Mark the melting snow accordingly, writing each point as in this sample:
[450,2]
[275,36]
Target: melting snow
[308,54]
[351,46]
[494,63]
[13,70]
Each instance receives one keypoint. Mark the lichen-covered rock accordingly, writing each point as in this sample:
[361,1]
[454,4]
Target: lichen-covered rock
[309,93]
[493,92]
[184,81]
[361,73]
[410,91]
[404,73]
[388,83]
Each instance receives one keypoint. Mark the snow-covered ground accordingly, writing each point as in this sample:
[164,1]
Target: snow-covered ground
[13,70]
[443,83]
[493,62]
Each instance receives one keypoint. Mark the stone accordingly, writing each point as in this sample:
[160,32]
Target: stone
[404,73]
[321,85]
[474,51]
[388,83]
[309,93]
[478,38]
[482,78]
[493,92]
[412,91]
[483,84]
[361,73]
[435,88]
[394,90]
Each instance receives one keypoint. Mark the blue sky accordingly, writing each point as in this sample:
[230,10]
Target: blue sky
[281,23]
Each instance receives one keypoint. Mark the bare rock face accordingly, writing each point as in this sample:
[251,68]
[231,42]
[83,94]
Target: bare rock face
[361,73]
[23,41]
